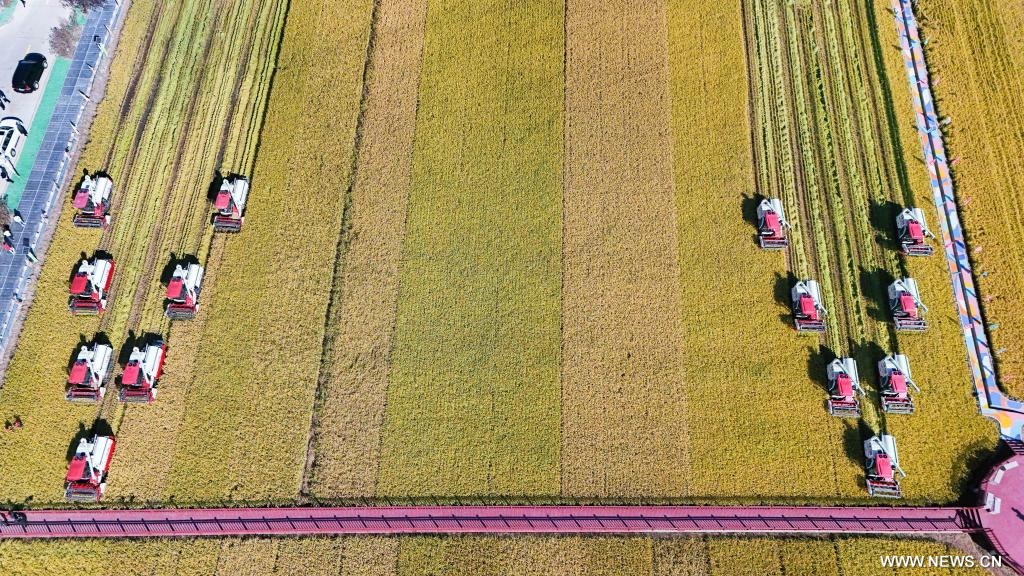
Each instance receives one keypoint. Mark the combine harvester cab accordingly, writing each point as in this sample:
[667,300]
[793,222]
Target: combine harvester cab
[881,464]
[88,379]
[808,311]
[906,305]
[230,204]
[913,231]
[92,200]
[772,225]
[183,292]
[843,387]
[142,373]
[86,480]
[894,374]
[90,286]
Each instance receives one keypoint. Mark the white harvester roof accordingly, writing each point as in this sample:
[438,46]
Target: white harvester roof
[908,286]
[883,444]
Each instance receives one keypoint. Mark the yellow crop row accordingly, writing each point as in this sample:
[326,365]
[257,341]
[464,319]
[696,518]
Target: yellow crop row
[473,400]
[473,556]
[360,331]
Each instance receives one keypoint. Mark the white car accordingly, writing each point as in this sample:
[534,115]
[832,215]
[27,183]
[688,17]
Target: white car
[12,136]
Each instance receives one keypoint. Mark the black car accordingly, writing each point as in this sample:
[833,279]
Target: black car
[29,71]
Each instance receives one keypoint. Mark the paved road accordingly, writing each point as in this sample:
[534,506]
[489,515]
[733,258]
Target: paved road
[490,520]
[27,31]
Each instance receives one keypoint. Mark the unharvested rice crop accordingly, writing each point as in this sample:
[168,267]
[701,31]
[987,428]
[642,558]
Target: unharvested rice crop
[471,555]
[473,399]
[361,323]
[974,52]
[623,407]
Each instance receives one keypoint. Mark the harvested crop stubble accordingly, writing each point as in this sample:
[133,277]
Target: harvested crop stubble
[623,399]
[245,426]
[147,437]
[474,391]
[975,55]
[761,430]
[360,330]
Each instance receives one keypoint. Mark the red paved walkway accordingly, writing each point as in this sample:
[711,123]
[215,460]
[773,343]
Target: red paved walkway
[1003,512]
[488,519]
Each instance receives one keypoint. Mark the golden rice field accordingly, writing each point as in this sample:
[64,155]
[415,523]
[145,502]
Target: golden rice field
[472,556]
[974,51]
[500,250]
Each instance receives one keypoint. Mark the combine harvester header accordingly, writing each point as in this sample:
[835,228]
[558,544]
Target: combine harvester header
[92,200]
[881,463]
[90,285]
[86,480]
[142,373]
[894,374]
[906,305]
[183,292]
[844,386]
[87,381]
[912,230]
[808,311]
[230,204]
[772,225]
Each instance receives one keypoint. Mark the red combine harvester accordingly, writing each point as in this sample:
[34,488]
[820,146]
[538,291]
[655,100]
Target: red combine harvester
[808,311]
[88,379]
[772,225]
[141,375]
[230,204]
[90,284]
[894,373]
[183,292]
[92,200]
[843,386]
[86,480]
[881,463]
[906,306]
[913,230]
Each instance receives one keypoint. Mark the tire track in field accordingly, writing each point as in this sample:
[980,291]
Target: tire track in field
[167,200]
[129,96]
[117,199]
[809,251]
